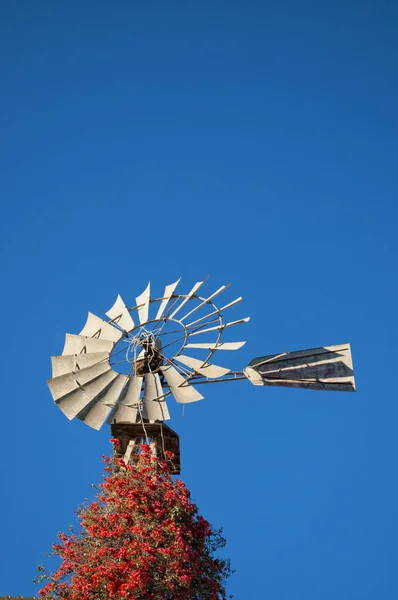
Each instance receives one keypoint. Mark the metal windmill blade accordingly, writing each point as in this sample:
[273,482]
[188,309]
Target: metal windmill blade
[155,351]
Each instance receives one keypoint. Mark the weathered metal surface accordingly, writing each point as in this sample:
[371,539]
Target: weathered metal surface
[168,292]
[154,409]
[72,404]
[97,327]
[77,344]
[123,414]
[325,368]
[205,369]
[184,394]
[97,412]
[132,391]
[143,304]
[191,294]
[71,363]
[120,315]
[65,384]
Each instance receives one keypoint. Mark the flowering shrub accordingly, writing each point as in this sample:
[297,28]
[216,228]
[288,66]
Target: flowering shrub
[142,539]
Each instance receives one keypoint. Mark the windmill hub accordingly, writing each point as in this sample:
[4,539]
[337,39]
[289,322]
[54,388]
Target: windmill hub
[152,358]
[142,351]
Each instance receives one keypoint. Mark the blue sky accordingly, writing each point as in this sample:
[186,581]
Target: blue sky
[252,141]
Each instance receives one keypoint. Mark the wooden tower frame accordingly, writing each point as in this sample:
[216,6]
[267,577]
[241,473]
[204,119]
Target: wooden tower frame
[158,435]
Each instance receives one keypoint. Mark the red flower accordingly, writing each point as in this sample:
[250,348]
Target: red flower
[142,539]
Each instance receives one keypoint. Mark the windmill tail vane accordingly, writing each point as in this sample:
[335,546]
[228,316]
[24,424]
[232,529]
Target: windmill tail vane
[122,370]
[327,368]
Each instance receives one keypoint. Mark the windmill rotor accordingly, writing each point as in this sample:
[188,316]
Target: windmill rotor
[123,370]
[85,383]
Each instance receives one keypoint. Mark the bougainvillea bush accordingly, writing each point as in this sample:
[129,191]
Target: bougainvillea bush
[142,539]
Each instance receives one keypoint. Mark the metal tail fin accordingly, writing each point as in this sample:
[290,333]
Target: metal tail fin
[326,368]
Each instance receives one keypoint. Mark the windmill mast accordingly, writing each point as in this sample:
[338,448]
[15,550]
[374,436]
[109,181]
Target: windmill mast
[158,435]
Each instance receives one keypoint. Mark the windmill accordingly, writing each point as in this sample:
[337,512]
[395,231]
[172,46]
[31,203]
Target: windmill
[166,347]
